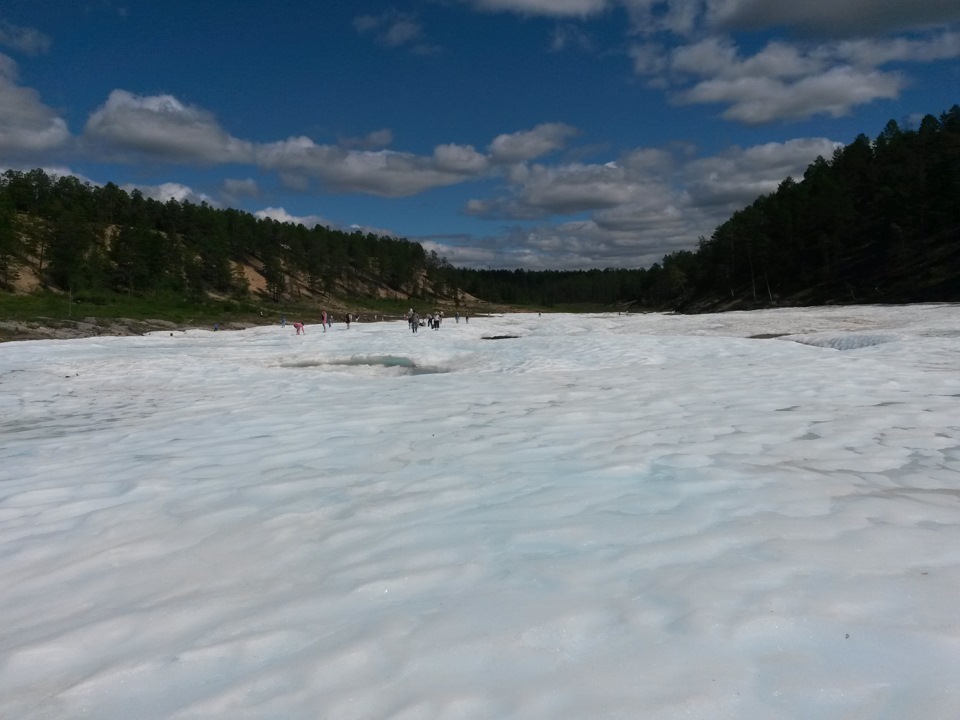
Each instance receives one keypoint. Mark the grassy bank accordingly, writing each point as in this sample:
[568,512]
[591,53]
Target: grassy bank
[24,314]
[176,309]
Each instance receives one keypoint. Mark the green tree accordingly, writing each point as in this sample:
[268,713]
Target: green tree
[11,248]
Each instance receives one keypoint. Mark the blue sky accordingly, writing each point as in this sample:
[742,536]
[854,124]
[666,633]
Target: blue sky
[500,133]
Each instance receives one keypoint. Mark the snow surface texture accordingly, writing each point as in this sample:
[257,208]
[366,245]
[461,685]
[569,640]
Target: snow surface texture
[644,516]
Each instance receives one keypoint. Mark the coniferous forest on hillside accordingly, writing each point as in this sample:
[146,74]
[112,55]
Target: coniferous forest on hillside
[879,221]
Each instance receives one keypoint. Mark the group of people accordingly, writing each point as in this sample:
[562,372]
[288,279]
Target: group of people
[325,322]
[430,320]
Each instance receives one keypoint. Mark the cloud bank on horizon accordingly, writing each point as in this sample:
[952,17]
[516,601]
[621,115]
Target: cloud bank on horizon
[502,133]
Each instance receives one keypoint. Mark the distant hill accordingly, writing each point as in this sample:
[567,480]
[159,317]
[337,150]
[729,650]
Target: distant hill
[58,233]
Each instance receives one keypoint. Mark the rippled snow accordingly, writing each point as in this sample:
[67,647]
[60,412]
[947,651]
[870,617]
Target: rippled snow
[607,516]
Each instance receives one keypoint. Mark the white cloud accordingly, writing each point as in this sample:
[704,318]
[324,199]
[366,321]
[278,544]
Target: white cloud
[370,229]
[567,36]
[650,59]
[822,18]
[551,8]
[26,124]
[788,80]
[529,144]
[29,41]
[755,100]
[736,177]
[785,81]
[874,52]
[402,32]
[643,205]
[163,128]
[830,17]
[540,191]
[395,29]
[382,172]
[130,127]
[170,191]
[371,141]
[459,159]
[567,246]
[281,215]
[681,17]
[715,57]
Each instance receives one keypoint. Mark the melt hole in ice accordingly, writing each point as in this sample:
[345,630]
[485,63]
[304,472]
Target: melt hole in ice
[388,364]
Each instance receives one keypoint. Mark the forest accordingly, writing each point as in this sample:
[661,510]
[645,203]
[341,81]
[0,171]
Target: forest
[879,221]
[87,239]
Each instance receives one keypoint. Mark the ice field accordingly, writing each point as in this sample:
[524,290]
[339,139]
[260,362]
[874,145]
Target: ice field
[734,516]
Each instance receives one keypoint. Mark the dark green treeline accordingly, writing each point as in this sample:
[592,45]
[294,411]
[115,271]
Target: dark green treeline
[75,236]
[877,222]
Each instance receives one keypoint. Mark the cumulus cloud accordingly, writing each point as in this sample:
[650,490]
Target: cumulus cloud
[29,41]
[829,17]
[720,58]
[170,191]
[756,100]
[395,29]
[651,60]
[540,191]
[26,124]
[382,172]
[794,79]
[737,176]
[824,18]
[536,191]
[874,52]
[464,251]
[370,229]
[549,8]
[389,173]
[680,17]
[371,141]
[530,144]
[281,215]
[162,128]
[567,36]
[459,159]
[568,246]
[129,127]
[644,204]
[788,81]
